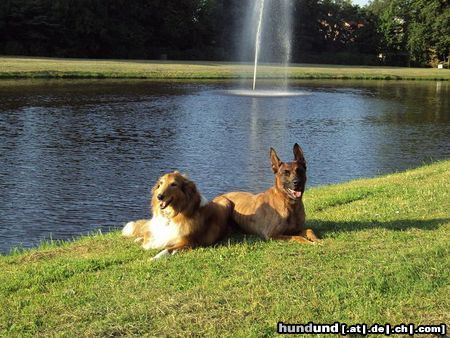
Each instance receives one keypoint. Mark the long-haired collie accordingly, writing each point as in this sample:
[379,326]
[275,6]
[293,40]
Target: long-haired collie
[181,219]
[277,213]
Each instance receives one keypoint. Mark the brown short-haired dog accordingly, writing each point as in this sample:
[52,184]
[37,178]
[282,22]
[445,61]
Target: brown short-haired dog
[277,213]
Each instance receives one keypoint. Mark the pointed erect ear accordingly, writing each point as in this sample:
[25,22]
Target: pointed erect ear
[275,160]
[298,154]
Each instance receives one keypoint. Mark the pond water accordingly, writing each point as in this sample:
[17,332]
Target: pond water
[78,156]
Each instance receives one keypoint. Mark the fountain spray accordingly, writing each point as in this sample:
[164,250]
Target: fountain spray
[258,41]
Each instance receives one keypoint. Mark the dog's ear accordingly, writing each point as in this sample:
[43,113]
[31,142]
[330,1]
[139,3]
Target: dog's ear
[275,160]
[298,154]
[186,176]
[189,189]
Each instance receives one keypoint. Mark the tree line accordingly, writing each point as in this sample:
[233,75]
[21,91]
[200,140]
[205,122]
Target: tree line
[391,32]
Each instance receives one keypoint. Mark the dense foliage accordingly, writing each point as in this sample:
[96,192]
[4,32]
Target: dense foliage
[325,31]
[413,31]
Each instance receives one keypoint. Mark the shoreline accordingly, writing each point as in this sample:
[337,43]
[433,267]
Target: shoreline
[54,68]
[316,190]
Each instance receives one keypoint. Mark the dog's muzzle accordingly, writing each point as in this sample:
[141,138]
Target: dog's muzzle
[295,194]
[164,204]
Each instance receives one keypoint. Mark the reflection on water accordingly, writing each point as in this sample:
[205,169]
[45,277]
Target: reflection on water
[79,156]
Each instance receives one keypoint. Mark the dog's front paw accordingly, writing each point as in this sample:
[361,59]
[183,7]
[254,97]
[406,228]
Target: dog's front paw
[160,255]
[318,242]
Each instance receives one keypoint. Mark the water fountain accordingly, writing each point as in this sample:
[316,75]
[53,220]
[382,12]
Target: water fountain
[270,31]
[258,42]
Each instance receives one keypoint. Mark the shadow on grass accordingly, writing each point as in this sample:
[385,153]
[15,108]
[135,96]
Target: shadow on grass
[322,227]
[237,237]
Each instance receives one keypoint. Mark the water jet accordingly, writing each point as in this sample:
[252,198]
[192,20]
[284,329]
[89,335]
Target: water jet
[258,41]
[269,36]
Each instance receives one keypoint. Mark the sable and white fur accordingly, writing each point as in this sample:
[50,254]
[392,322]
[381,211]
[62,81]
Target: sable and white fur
[182,217]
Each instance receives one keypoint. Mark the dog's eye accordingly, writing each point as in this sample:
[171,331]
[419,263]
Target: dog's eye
[173,184]
[287,172]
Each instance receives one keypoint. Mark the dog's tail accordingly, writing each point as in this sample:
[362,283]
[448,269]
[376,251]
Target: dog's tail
[135,228]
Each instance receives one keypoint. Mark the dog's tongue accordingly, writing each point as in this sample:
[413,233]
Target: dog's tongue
[296,194]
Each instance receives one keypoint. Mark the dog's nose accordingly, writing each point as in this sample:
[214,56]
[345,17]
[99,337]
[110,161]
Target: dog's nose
[297,185]
[160,197]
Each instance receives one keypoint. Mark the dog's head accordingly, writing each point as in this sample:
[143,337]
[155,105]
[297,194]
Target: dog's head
[174,193]
[290,177]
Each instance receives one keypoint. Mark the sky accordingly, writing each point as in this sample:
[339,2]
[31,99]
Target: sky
[360,2]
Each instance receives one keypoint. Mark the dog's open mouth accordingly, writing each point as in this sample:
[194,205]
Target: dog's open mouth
[294,194]
[165,204]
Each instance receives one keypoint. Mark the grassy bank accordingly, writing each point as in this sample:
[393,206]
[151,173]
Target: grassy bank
[134,69]
[385,258]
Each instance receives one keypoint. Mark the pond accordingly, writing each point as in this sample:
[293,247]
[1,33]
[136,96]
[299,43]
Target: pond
[78,156]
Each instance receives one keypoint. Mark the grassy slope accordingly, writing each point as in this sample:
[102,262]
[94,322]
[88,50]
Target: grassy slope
[72,68]
[385,258]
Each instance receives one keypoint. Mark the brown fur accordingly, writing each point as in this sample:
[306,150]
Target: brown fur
[176,199]
[277,213]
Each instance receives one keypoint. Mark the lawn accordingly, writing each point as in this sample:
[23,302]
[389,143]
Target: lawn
[384,259]
[31,67]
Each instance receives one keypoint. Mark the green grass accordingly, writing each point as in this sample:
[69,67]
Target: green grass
[385,258]
[28,67]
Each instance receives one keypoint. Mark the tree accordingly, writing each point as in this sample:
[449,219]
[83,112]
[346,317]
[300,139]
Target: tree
[413,31]
[441,29]
[428,32]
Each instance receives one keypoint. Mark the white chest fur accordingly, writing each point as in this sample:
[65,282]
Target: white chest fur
[163,232]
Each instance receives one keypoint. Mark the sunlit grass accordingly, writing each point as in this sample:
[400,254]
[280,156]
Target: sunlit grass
[27,67]
[385,258]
